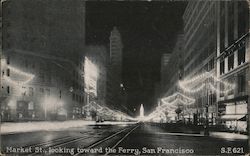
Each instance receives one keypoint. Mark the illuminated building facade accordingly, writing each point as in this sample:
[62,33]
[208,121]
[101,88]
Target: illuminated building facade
[98,55]
[216,41]
[199,52]
[232,62]
[44,39]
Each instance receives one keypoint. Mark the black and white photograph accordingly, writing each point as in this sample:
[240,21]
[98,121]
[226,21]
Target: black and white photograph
[124,77]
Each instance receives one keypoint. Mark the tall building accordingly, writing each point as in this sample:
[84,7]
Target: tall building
[1,47]
[98,55]
[114,83]
[43,49]
[164,67]
[216,35]
[200,52]
[232,62]
[116,47]
[173,69]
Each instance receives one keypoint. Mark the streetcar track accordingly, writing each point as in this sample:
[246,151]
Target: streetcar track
[119,141]
[105,139]
[47,143]
[68,139]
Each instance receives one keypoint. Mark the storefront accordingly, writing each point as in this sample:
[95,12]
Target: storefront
[233,114]
[212,114]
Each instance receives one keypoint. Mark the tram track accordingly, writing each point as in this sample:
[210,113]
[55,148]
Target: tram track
[67,140]
[101,142]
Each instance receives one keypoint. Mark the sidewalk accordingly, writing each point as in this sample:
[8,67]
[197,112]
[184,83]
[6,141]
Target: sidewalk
[189,130]
[10,128]
[229,136]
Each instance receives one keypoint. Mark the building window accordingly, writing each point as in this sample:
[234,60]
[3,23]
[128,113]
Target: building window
[8,60]
[31,91]
[73,96]
[221,90]
[231,81]
[231,23]
[241,83]
[231,62]
[42,77]
[8,72]
[222,67]
[41,90]
[23,91]
[241,55]
[60,94]
[8,89]
[222,33]
[48,92]
[242,18]
[211,64]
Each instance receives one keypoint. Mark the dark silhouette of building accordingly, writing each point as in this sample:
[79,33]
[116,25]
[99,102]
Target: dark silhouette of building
[43,49]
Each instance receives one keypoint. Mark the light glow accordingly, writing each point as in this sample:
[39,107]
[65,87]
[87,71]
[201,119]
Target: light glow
[105,111]
[169,105]
[190,85]
[90,76]
[28,76]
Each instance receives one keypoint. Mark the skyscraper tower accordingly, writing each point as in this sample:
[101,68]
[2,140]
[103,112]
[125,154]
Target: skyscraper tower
[114,97]
[116,51]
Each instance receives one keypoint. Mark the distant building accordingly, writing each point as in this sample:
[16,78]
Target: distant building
[171,68]
[42,64]
[164,67]
[174,69]
[114,82]
[116,47]
[157,94]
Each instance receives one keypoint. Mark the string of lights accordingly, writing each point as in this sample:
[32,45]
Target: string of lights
[106,111]
[191,90]
[190,85]
[170,105]
[19,72]
[178,95]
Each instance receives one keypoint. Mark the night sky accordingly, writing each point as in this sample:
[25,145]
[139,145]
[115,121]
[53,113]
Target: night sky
[148,29]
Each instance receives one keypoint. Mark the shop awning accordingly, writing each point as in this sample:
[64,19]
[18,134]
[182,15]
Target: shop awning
[232,117]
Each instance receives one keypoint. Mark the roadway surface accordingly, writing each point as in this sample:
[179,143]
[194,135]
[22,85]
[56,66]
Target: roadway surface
[137,139]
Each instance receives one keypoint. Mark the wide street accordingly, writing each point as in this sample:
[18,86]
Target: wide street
[136,139]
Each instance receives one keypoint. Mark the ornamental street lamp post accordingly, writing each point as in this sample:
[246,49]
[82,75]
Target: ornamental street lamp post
[206,127]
